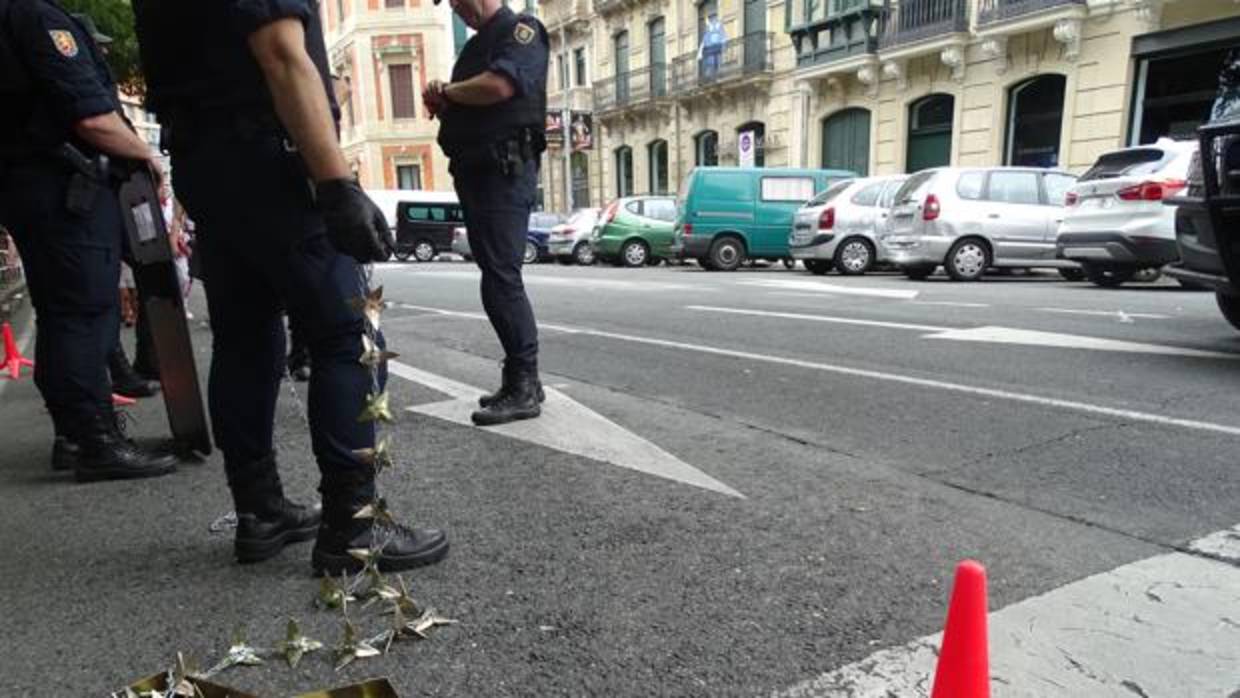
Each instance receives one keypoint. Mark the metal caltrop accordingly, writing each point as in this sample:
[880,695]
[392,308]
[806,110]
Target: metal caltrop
[351,648]
[371,306]
[372,354]
[240,653]
[296,645]
[333,594]
[380,456]
[376,409]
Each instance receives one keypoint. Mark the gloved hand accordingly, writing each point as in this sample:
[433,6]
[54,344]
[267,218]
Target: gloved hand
[355,225]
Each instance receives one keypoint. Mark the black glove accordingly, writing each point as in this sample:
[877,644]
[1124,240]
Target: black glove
[355,225]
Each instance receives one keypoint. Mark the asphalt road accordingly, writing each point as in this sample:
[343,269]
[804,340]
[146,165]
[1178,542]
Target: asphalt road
[743,482]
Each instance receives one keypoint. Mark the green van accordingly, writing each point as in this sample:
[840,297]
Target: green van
[728,214]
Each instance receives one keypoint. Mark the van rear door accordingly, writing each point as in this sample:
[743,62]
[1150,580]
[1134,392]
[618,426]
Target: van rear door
[779,197]
[721,201]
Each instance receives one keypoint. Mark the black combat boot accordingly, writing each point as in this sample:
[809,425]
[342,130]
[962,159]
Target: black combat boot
[403,547]
[125,380]
[107,454]
[65,453]
[505,387]
[261,535]
[521,400]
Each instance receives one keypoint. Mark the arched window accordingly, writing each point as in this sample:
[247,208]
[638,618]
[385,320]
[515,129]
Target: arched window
[757,142]
[656,153]
[624,171]
[706,148]
[930,132]
[846,141]
[579,164]
[1035,121]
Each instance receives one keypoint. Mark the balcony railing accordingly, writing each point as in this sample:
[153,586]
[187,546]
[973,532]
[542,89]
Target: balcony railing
[632,88]
[910,21]
[991,11]
[734,59]
[834,30]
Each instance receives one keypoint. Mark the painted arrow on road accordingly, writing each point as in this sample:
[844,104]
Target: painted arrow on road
[565,425]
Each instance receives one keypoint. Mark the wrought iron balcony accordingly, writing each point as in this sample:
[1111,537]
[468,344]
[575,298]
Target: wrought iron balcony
[631,89]
[991,11]
[826,31]
[724,64]
[910,21]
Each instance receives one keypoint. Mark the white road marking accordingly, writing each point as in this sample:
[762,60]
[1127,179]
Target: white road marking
[954,304]
[1117,314]
[1034,338]
[635,284]
[818,318]
[565,425]
[822,287]
[1026,398]
[1164,626]
[992,335]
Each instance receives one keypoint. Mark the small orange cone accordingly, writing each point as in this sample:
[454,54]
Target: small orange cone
[121,401]
[13,359]
[964,659]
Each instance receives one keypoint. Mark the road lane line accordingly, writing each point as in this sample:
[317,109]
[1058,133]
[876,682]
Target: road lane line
[820,318]
[1011,396]
[954,304]
[821,287]
[1118,314]
[1168,625]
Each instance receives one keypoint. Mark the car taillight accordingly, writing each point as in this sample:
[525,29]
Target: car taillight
[930,210]
[1152,191]
[687,230]
[826,220]
[1071,199]
[610,214]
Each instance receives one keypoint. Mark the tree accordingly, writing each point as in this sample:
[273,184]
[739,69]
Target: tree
[115,18]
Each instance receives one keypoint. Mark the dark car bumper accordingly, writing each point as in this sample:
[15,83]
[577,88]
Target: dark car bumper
[1116,248]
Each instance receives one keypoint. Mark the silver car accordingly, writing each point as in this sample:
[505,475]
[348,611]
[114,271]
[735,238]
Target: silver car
[839,227]
[972,219]
[570,240]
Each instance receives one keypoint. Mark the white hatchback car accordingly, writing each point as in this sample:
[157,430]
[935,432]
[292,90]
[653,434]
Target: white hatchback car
[1115,223]
[570,240]
[839,227]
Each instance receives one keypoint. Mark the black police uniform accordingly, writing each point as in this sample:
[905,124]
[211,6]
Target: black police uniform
[67,226]
[494,155]
[264,249]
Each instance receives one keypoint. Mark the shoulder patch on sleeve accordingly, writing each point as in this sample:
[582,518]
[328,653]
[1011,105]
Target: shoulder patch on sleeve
[64,42]
[524,33]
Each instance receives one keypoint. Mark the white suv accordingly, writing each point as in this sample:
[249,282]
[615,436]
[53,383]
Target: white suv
[1115,223]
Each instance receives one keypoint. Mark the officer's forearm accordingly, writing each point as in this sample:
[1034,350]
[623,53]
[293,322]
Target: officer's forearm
[482,90]
[109,134]
[300,101]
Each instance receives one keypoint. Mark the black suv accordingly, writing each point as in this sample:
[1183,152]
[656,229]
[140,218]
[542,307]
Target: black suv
[424,227]
[1207,222]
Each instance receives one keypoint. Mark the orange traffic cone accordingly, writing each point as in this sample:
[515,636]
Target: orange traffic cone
[13,359]
[964,659]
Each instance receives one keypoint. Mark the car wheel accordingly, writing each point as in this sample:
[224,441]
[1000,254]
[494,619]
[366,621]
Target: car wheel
[583,254]
[790,263]
[1072,274]
[634,253]
[1230,307]
[531,253]
[1147,275]
[404,255]
[727,254]
[817,267]
[967,260]
[424,250]
[1108,277]
[854,257]
[918,273]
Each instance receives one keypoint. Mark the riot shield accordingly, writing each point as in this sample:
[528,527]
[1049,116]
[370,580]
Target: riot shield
[159,291]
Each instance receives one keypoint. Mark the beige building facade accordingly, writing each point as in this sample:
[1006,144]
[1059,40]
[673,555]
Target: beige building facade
[382,54]
[873,86]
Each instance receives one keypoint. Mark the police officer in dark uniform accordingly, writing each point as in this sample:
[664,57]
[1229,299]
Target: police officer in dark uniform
[492,116]
[241,87]
[60,115]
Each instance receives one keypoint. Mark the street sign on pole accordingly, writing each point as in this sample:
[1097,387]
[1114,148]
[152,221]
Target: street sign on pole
[745,146]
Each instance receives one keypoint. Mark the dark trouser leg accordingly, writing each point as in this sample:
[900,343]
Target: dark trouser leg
[144,359]
[299,350]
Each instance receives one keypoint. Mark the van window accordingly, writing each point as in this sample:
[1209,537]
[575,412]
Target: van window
[868,196]
[726,185]
[660,209]
[795,189]
[434,214]
[1014,187]
[971,185]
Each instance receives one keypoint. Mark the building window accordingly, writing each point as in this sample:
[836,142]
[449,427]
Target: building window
[340,10]
[846,141]
[706,149]
[624,171]
[756,131]
[346,100]
[393,3]
[620,46]
[562,71]
[1174,93]
[579,163]
[1035,121]
[706,10]
[401,78]
[408,177]
[579,62]
[930,132]
[657,154]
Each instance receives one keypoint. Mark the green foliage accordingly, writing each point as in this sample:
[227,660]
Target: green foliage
[115,18]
